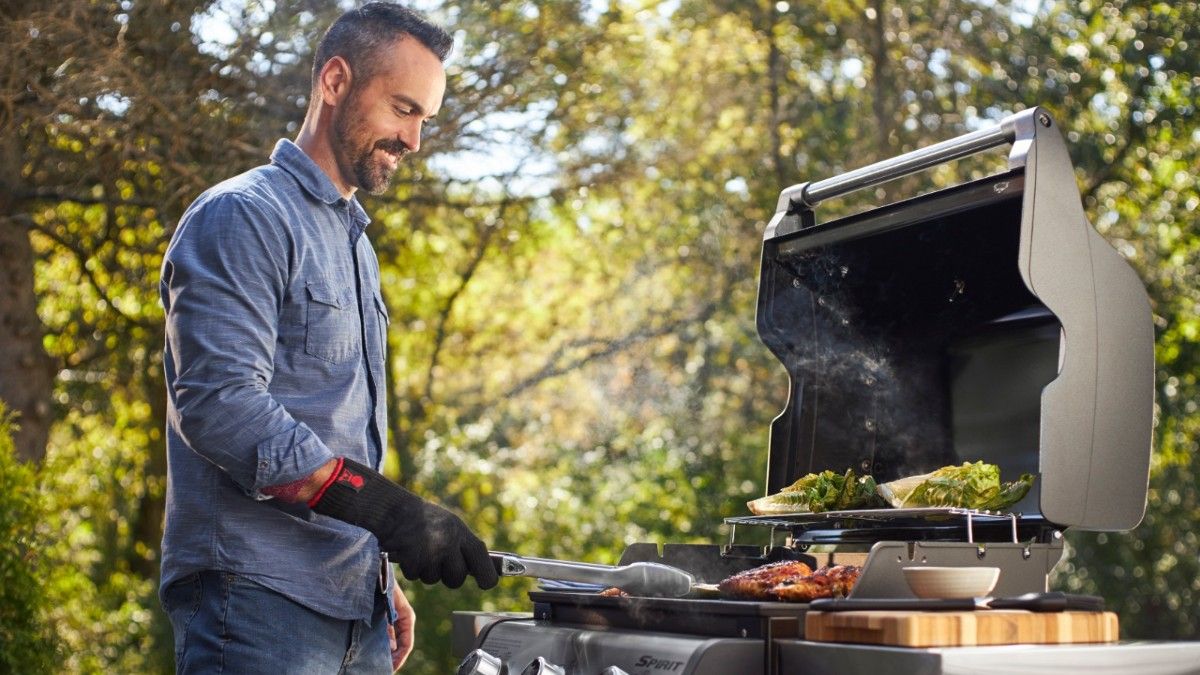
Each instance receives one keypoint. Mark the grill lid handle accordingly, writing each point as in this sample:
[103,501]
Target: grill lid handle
[1010,130]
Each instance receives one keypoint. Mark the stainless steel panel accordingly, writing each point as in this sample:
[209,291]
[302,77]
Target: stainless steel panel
[798,657]
[1023,567]
[588,651]
[1097,415]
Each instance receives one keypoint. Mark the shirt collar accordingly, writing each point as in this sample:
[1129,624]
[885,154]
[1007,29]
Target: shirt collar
[288,156]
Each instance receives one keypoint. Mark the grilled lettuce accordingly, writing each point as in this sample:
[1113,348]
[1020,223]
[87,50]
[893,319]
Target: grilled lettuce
[818,492]
[972,486]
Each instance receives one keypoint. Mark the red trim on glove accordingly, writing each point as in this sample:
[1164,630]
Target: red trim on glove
[337,470]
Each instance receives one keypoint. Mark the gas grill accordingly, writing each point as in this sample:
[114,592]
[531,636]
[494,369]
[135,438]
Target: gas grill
[986,321]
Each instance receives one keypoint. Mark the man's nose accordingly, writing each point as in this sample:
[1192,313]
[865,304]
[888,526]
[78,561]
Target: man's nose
[410,135]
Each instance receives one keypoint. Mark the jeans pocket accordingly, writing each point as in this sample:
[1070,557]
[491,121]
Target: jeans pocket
[181,602]
[183,592]
[331,326]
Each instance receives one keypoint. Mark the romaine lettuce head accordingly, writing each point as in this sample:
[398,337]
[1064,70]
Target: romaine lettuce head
[972,485]
[818,492]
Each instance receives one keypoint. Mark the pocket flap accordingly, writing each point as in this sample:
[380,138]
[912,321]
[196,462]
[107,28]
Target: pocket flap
[379,304]
[322,292]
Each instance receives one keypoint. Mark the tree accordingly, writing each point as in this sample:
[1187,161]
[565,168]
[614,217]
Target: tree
[29,645]
[1125,75]
[569,263]
[114,119]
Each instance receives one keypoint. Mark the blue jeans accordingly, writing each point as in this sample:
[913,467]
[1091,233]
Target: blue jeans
[225,623]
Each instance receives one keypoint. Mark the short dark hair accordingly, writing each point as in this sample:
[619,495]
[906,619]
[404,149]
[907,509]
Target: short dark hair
[359,34]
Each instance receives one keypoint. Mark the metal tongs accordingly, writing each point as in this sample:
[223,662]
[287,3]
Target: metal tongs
[639,578]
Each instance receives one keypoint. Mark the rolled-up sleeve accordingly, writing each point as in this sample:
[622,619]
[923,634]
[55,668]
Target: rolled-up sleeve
[223,286]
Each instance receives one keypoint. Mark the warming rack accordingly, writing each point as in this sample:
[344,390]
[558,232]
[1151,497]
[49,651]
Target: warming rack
[865,525]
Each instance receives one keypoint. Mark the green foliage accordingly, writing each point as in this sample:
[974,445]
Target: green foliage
[105,612]
[571,260]
[1150,576]
[27,643]
[1132,105]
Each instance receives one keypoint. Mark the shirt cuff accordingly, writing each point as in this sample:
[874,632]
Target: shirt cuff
[287,457]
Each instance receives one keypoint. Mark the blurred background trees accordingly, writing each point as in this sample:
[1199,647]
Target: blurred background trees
[570,262]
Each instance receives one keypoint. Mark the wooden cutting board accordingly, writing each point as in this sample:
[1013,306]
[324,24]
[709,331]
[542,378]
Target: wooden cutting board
[956,629]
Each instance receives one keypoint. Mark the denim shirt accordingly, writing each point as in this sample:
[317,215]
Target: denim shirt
[275,339]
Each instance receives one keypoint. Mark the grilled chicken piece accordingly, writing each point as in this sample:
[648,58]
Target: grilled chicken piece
[756,583]
[790,581]
[827,582]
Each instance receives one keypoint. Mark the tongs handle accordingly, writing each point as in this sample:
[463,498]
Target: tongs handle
[512,565]
[1051,601]
[640,578]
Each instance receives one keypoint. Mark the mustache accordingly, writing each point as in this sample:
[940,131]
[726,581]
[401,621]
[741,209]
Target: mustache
[394,146]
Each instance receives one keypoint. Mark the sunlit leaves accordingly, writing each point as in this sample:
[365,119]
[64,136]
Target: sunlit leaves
[570,263]
[25,606]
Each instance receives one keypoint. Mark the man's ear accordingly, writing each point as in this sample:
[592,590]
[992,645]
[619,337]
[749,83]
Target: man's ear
[334,81]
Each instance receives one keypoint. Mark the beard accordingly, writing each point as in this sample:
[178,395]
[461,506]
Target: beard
[372,171]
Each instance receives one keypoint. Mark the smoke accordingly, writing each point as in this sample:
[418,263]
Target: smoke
[873,394]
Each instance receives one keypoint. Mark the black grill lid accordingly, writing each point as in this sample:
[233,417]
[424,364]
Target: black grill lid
[988,321]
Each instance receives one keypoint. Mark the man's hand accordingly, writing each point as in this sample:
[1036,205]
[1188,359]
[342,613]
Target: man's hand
[401,632]
[427,541]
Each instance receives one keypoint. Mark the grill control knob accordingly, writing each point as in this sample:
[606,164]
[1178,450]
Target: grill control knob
[540,666]
[613,670]
[479,662]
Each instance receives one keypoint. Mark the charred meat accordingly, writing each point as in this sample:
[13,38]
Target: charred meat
[756,583]
[790,581]
[834,581]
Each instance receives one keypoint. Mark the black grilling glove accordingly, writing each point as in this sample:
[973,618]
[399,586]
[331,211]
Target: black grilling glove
[428,542]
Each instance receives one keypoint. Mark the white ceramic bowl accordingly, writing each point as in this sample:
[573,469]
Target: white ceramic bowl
[951,582]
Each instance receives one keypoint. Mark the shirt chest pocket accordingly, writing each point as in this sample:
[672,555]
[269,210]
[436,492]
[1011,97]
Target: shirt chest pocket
[331,325]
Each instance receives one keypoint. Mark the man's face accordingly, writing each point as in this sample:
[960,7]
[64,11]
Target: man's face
[381,119]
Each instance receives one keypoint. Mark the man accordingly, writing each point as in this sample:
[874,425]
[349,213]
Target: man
[277,519]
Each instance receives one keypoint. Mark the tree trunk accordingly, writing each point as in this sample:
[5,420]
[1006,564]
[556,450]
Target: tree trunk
[774,77]
[148,522]
[26,372]
[881,100]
